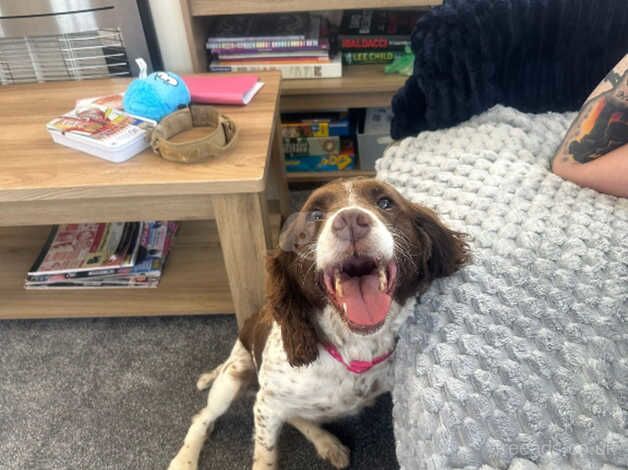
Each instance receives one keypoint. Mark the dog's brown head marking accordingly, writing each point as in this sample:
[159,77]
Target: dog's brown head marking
[357,245]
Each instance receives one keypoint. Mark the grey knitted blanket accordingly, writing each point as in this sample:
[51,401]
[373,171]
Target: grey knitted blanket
[520,360]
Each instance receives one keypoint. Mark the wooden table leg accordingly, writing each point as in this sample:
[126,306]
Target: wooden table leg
[244,232]
[278,171]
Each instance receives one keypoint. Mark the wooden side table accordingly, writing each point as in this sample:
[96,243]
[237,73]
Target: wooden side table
[217,264]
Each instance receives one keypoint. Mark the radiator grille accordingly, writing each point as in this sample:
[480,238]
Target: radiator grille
[91,54]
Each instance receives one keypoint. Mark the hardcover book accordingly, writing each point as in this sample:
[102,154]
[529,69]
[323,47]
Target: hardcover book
[376,29]
[223,89]
[273,54]
[369,57]
[274,60]
[304,68]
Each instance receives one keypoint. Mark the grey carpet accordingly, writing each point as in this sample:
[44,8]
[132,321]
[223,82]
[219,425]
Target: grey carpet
[119,394]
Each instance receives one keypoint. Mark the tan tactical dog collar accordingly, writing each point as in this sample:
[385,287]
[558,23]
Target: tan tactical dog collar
[222,134]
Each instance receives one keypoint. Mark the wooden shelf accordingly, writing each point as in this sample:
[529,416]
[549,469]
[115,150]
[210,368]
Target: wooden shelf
[321,176]
[194,280]
[362,86]
[225,7]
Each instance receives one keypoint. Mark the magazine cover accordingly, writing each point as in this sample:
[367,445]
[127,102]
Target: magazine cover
[86,247]
[101,102]
[103,126]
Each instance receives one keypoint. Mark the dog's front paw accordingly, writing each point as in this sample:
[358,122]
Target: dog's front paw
[183,463]
[206,379]
[333,451]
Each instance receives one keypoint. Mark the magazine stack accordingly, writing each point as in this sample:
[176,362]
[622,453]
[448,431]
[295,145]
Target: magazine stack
[113,255]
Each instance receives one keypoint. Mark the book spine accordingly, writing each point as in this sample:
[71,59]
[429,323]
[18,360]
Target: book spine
[287,37]
[323,48]
[258,44]
[369,57]
[357,43]
[288,71]
[317,54]
[274,60]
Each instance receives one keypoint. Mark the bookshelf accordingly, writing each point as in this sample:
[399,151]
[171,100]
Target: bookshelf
[225,7]
[361,86]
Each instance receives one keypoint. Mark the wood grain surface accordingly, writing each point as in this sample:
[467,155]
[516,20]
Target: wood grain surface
[223,7]
[32,167]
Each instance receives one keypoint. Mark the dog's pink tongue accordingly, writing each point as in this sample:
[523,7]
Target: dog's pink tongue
[366,305]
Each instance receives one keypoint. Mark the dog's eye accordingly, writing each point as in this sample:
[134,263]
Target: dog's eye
[384,203]
[315,215]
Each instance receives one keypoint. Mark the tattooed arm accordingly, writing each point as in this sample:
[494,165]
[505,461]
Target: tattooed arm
[594,152]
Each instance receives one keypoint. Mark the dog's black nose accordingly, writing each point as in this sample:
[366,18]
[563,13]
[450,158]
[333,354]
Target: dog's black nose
[352,224]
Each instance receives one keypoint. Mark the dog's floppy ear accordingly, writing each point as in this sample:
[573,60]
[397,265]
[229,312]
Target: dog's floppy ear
[290,310]
[448,250]
[289,305]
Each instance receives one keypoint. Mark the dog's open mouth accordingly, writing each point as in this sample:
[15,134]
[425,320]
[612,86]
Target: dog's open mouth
[361,289]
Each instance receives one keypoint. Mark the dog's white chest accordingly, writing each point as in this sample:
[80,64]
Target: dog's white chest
[324,390]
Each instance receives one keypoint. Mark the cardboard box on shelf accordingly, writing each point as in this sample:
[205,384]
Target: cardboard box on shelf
[375,138]
[338,161]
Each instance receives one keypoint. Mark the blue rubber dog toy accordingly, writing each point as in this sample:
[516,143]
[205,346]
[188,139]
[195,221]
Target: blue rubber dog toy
[156,96]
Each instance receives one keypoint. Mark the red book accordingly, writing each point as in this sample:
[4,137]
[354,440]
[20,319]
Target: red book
[223,89]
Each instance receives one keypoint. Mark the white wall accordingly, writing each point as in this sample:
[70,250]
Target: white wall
[173,43]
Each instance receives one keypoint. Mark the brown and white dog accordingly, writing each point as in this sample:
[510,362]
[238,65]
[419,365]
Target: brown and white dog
[321,345]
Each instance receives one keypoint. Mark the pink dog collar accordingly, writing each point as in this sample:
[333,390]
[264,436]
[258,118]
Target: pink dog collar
[357,367]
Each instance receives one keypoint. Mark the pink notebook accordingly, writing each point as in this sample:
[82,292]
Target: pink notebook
[223,89]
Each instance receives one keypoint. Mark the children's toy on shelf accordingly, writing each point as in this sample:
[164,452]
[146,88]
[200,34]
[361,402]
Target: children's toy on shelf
[376,136]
